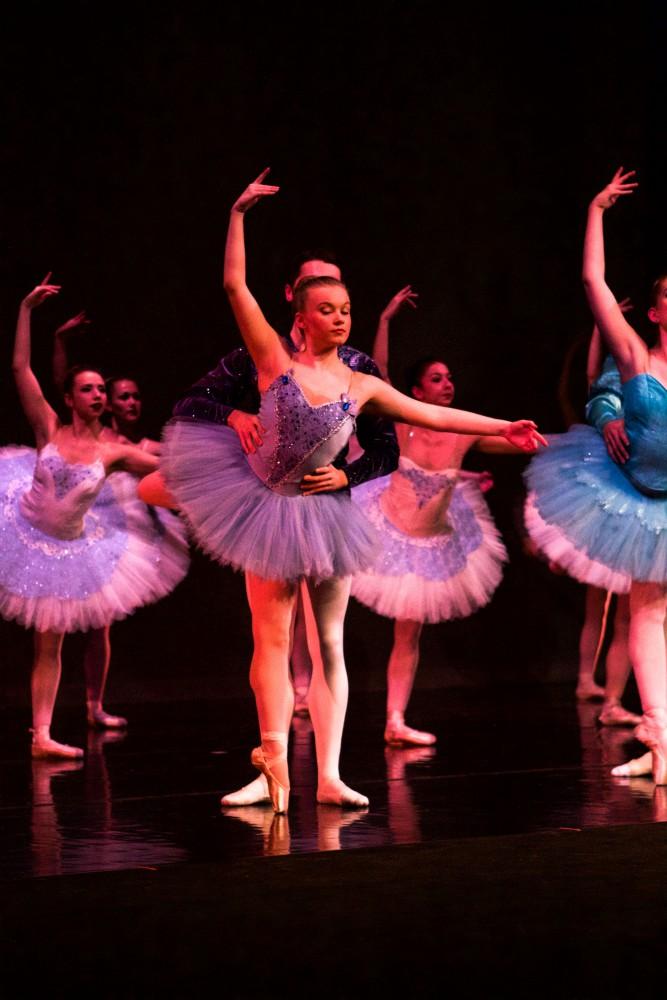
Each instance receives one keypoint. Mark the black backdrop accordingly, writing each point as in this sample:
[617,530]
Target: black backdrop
[451,148]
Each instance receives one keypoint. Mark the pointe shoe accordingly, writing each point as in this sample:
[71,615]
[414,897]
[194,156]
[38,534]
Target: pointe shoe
[397,734]
[334,792]
[652,731]
[252,794]
[43,747]
[99,719]
[278,790]
[613,714]
[638,767]
[588,690]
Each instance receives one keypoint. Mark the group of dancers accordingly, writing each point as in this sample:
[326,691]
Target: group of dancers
[255,462]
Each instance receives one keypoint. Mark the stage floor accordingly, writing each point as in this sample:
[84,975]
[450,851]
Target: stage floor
[508,761]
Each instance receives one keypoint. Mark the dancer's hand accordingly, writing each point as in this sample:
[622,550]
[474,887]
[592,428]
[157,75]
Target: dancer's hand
[625,305]
[75,323]
[254,192]
[618,186]
[406,296]
[249,429]
[40,293]
[616,440]
[326,479]
[484,480]
[523,434]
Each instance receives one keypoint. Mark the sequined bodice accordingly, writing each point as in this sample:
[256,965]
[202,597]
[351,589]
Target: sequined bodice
[645,410]
[417,499]
[298,436]
[61,493]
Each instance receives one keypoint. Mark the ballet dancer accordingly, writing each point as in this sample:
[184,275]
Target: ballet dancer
[278,513]
[441,555]
[605,522]
[75,555]
[224,396]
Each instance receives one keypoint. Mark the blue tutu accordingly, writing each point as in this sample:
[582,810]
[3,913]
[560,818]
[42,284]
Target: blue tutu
[78,550]
[586,514]
[441,555]
[241,522]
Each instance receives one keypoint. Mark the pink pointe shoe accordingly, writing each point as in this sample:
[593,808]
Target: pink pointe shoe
[638,767]
[652,731]
[44,747]
[613,714]
[588,690]
[265,763]
[397,734]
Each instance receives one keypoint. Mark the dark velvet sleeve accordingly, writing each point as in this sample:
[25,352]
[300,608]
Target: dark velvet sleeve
[376,435]
[230,386]
[605,399]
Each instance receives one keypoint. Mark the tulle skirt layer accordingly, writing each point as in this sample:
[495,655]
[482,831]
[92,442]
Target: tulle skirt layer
[240,522]
[433,578]
[126,556]
[587,516]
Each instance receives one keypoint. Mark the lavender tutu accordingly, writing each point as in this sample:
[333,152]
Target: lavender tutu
[247,511]
[441,554]
[78,550]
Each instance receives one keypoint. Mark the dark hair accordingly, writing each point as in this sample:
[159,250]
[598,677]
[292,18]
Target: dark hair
[71,374]
[415,373]
[304,287]
[110,382]
[656,288]
[302,258]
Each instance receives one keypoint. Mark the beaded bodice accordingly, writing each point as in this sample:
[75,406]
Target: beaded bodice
[417,499]
[61,493]
[645,410]
[298,436]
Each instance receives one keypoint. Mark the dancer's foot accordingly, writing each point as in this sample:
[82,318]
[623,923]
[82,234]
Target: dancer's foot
[652,731]
[253,794]
[271,759]
[588,690]
[638,767]
[397,734]
[43,746]
[334,792]
[99,719]
[613,714]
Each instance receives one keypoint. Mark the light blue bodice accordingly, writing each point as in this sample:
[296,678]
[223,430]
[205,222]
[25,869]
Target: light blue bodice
[645,410]
[298,437]
[61,493]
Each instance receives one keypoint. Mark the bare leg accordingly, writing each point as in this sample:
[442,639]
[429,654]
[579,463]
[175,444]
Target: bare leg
[325,617]
[45,681]
[96,668]
[618,670]
[589,642]
[302,665]
[401,671]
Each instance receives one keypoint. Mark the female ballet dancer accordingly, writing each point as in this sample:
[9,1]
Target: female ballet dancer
[607,523]
[441,555]
[278,513]
[75,555]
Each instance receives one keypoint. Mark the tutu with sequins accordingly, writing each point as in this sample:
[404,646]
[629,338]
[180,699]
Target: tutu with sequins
[248,511]
[80,550]
[441,554]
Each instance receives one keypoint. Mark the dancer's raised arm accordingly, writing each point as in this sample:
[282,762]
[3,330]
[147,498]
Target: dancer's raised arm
[627,347]
[43,419]
[383,398]
[260,338]
[381,342]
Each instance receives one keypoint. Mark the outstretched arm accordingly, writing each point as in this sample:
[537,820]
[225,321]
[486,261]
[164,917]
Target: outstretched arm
[628,349]
[260,338]
[41,416]
[382,398]
[131,458]
[381,342]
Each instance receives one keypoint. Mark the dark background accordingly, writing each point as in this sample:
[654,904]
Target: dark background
[452,148]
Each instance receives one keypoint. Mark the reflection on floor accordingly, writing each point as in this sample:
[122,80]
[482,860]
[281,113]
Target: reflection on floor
[510,761]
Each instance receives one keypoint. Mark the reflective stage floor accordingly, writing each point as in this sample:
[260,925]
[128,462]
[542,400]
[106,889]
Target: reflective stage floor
[518,789]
